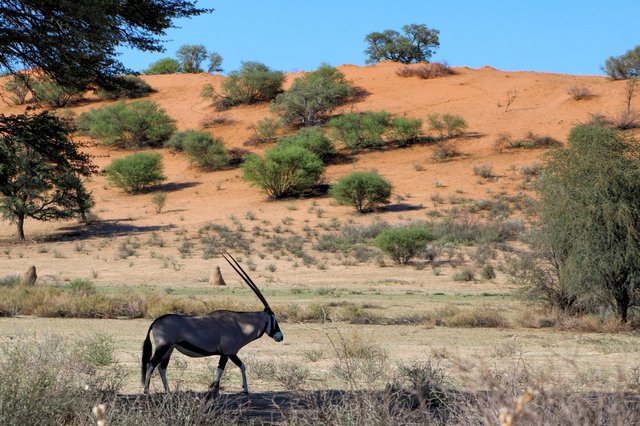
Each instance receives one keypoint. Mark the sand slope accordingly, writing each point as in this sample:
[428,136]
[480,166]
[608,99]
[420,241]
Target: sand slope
[542,105]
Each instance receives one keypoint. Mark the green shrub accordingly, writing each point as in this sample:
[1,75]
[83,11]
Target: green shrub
[447,125]
[406,130]
[361,131]
[266,130]
[133,125]
[159,199]
[18,88]
[363,190]
[487,272]
[284,170]
[10,281]
[132,86]
[312,139]
[135,173]
[312,96]
[164,66]
[82,287]
[176,141]
[205,151]
[624,66]
[466,274]
[254,82]
[403,244]
[52,94]
[97,350]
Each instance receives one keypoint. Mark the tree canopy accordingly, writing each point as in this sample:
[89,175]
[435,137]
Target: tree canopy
[624,66]
[41,170]
[416,45]
[74,42]
[191,57]
[590,217]
[312,96]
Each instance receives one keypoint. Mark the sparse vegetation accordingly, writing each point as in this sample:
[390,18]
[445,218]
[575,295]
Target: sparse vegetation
[483,170]
[159,199]
[510,98]
[447,126]
[50,381]
[426,70]
[580,92]
[529,141]
[444,151]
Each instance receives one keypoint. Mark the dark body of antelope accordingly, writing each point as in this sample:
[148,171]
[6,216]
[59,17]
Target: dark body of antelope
[221,333]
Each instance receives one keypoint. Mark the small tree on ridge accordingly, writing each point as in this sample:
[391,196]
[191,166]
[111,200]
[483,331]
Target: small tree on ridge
[416,45]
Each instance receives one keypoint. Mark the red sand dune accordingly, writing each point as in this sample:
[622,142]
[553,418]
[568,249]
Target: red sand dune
[542,105]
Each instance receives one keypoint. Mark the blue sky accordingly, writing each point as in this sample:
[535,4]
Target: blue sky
[562,36]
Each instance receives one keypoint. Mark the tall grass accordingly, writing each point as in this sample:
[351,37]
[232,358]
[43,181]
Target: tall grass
[49,382]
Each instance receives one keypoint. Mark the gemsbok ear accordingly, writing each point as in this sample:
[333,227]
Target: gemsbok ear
[236,267]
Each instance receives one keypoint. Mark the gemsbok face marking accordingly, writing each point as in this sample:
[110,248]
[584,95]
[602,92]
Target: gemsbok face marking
[221,333]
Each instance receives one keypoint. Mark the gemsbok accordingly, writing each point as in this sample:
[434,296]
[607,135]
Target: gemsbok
[221,333]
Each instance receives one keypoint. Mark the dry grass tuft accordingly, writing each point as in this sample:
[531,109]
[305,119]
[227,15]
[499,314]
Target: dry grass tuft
[580,92]
[426,71]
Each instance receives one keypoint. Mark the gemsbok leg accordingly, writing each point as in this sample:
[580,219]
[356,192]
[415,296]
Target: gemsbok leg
[215,386]
[238,362]
[163,369]
[157,358]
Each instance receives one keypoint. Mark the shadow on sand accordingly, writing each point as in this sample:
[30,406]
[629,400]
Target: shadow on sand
[102,229]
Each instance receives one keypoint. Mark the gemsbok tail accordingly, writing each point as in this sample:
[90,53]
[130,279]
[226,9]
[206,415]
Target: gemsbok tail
[146,354]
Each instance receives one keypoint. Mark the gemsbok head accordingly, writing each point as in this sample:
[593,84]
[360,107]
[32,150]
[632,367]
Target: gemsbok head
[221,333]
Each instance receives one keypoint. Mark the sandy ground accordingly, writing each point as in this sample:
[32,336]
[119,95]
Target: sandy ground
[596,359]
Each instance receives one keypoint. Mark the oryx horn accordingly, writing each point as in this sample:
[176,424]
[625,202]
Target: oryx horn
[236,266]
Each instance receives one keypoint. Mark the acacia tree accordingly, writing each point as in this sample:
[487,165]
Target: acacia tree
[215,62]
[191,57]
[624,66]
[41,170]
[590,217]
[416,45]
[74,42]
[312,96]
